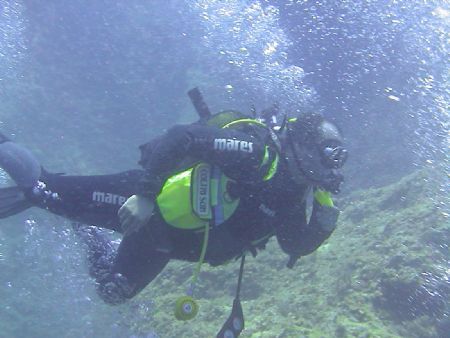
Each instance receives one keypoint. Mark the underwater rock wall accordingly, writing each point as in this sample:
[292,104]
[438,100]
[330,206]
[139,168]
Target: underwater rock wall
[383,273]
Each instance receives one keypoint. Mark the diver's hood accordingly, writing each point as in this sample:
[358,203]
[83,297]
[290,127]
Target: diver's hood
[316,154]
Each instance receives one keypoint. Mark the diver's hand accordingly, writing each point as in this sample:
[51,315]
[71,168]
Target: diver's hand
[324,211]
[135,213]
[327,217]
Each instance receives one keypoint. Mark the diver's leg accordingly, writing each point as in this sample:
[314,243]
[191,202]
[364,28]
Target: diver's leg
[88,199]
[92,200]
[141,256]
[101,250]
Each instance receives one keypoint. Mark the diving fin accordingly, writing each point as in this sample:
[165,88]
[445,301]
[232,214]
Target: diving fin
[19,163]
[24,169]
[12,201]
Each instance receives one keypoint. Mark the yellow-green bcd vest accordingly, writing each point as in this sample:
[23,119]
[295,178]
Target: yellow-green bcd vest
[198,196]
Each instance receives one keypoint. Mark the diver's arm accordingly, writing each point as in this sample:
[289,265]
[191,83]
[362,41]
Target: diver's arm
[298,238]
[237,153]
[240,156]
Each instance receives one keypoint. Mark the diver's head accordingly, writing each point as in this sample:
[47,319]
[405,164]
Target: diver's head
[314,151]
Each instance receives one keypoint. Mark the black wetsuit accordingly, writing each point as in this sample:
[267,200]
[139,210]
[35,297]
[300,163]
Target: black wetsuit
[276,206]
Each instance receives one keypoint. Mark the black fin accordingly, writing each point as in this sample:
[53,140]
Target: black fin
[19,163]
[12,201]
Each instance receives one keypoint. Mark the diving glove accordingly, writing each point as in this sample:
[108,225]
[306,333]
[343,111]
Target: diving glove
[135,213]
[325,213]
[326,217]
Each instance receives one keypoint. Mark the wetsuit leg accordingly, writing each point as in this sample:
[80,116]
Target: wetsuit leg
[92,200]
[141,256]
[89,200]
[100,249]
[95,200]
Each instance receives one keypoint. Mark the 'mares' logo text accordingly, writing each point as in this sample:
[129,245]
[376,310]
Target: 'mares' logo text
[233,145]
[108,198]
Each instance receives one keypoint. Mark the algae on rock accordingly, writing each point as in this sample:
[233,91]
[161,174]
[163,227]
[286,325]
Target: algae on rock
[381,274]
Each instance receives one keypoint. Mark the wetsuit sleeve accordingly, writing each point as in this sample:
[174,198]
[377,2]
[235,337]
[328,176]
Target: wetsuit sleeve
[297,237]
[239,154]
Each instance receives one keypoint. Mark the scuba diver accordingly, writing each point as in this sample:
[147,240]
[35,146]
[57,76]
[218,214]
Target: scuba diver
[209,192]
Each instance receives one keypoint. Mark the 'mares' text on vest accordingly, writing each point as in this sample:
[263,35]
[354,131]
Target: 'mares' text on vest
[226,144]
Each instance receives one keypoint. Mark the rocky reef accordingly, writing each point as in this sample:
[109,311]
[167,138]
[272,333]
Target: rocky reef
[383,273]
